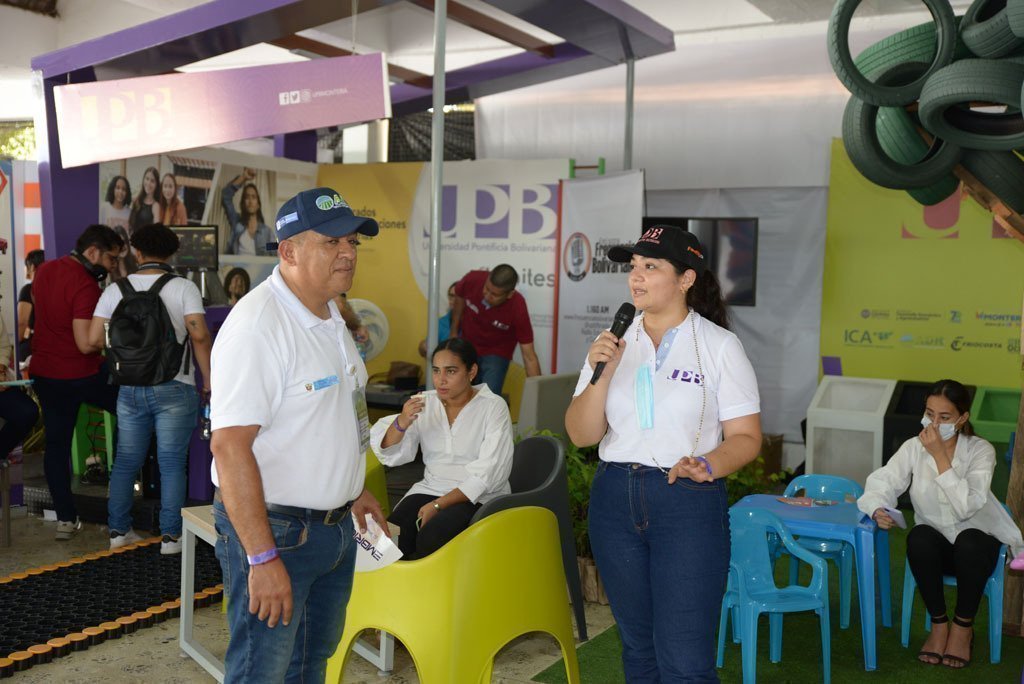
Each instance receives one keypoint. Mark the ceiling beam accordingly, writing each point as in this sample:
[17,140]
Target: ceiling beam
[296,42]
[474,19]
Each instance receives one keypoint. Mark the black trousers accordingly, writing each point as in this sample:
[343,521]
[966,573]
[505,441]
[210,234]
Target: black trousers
[442,528]
[971,559]
[60,401]
[19,413]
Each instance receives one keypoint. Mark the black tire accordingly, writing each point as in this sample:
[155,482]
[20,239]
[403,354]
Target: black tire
[934,194]
[898,135]
[1001,172]
[985,30]
[910,165]
[860,85]
[945,104]
[1015,17]
[915,44]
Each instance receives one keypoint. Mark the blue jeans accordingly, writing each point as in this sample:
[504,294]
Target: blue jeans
[170,410]
[662,552]
[492,371]
[320,560]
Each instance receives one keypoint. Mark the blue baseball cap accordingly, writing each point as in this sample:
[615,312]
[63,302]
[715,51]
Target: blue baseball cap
[322,210]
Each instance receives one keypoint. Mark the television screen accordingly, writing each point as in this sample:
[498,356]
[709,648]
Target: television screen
[731,244]
[197,249]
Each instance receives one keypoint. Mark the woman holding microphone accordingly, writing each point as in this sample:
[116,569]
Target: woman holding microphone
[676,410]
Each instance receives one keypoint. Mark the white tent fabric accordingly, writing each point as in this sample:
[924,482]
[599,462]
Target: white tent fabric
[735,111]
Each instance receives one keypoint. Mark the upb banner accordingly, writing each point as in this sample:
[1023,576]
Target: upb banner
[916,293]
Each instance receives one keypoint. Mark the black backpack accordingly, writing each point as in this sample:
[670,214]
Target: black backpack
[142,346]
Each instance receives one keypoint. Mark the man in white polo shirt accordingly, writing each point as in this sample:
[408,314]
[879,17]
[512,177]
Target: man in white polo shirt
[289,437]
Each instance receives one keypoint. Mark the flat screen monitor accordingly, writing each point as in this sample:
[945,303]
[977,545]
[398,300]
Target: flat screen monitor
[731,244]
[197,248]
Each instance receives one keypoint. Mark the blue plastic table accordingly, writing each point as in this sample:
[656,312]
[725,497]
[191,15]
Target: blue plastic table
[843,522]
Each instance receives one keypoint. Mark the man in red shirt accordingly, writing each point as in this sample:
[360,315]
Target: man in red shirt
[492,316]
[67,368]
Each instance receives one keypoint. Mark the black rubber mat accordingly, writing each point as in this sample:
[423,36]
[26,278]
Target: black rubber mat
[55,601]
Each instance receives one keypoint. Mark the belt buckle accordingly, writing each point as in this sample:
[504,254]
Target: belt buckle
[334,516]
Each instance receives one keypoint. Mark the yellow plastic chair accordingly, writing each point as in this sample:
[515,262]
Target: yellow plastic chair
[376,481]
[455,609]
[513,389]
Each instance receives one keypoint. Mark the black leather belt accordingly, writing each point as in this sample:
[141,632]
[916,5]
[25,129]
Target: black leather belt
[331,517]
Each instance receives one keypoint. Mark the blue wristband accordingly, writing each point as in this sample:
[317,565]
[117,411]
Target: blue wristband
[707,464]
[398,426]
[265,557]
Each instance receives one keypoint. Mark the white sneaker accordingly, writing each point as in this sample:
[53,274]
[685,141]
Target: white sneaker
[170,545]
[67,529]
[117,540]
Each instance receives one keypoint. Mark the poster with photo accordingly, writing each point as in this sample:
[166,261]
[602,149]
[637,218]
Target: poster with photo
[235,193]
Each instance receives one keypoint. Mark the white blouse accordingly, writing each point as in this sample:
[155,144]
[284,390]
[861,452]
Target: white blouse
[724,370]
[957,500]
[473,454]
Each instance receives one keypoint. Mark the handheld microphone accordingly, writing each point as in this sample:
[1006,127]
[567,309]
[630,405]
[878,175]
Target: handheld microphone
[623,318]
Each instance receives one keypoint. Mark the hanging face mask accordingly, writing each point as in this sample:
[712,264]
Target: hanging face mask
[643,397]
[946,430]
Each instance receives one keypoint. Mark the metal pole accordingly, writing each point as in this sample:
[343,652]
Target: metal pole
[436,180]
[627,160]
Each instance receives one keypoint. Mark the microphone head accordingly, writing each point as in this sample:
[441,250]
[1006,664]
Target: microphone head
[626,312]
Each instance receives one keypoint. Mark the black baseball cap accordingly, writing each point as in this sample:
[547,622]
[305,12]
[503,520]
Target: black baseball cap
[322,210]
[665,242]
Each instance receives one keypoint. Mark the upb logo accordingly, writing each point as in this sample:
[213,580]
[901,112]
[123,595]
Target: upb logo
[473,211]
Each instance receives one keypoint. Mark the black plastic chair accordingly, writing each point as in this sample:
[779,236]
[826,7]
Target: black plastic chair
[539,479]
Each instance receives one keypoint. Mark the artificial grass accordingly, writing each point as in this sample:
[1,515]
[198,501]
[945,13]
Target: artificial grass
[600,658]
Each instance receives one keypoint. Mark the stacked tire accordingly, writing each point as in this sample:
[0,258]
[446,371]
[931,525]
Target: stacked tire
[943,93]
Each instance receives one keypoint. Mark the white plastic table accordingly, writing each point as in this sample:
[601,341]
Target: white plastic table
[197,522]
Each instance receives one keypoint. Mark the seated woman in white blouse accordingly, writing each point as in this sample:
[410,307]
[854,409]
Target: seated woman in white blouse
[960,524]
[466,435]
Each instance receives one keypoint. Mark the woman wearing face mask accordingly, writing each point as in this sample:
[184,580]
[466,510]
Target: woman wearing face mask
[466,436]
[959,523]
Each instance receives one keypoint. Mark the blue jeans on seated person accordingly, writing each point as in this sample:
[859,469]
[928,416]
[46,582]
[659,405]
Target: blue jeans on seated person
[320,560]
[492,371]
[662,552]
[170,410]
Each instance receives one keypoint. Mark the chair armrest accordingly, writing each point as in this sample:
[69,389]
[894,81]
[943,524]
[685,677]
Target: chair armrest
[505,502]
[819,568]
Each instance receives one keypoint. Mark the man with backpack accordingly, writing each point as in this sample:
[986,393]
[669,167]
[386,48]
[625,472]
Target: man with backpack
[146,321]
[67,368]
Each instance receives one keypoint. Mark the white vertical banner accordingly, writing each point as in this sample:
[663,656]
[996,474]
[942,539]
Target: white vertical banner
[494,212]
[597,214]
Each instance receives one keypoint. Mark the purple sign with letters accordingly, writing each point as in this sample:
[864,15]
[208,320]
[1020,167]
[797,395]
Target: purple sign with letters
[109,120]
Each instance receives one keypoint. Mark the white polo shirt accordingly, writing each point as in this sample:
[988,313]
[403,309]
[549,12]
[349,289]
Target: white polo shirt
[731,393]
[277,365]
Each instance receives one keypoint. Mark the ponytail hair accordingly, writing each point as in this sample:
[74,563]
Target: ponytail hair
[705,297]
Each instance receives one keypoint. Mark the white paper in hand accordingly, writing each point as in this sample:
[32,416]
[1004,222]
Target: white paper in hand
[374,550]
[897,517]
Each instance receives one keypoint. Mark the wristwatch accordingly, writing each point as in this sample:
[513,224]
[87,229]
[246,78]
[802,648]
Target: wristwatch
[437,506]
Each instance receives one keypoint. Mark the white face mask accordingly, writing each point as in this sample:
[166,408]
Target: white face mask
[946,430]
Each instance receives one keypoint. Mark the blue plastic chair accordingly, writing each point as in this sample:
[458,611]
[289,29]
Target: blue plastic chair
[835,489]
[752,590]
[993,591]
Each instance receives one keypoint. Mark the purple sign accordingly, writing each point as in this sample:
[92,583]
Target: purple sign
[109,120]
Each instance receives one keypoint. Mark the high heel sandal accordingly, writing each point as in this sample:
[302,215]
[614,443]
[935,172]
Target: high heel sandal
[956,662]
[931,654]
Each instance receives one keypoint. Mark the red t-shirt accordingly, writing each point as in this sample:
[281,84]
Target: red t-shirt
[495,330]
[63,290]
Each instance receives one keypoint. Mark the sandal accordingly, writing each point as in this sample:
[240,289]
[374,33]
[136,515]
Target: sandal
[921,655]
[956,662]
